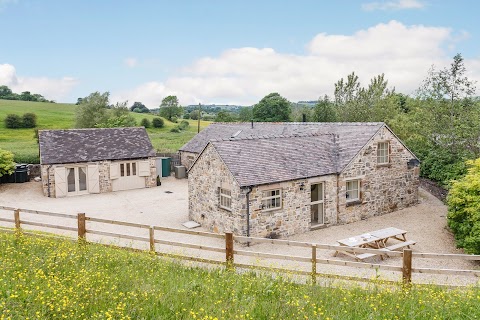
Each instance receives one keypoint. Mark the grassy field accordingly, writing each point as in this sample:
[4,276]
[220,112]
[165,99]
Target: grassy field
[46,278]
[62,116]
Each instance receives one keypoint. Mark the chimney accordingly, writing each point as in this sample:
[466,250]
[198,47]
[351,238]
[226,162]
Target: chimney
[304,117]
[252,123]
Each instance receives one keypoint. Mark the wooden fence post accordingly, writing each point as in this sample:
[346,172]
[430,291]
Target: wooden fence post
[81,227]
[229,249]
[407,266]
[16,215]
[152,238]
[314,263]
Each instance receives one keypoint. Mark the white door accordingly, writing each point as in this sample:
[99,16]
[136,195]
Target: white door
[316,204]
[76,180]
[129,176]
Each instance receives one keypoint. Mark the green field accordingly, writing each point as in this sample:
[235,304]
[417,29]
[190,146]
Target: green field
[62,116]
[46,278]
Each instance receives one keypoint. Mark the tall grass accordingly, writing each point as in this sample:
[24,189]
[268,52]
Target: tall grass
[46,278]
[23,144]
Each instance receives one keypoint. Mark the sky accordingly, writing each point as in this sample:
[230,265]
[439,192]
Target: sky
[228,52]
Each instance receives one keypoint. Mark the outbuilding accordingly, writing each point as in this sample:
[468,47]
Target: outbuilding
[312,177]
[82,161]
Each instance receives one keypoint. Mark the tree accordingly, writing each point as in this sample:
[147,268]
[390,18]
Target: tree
[224,116]
[139,108]
[245,114]
[464,209]
[145,123]
[118,116]
[194,115]
[157,122]
[272,108]
[7,165]
[301,111]
[5,92]
[13,121]
[324,110]
[169,108]
[92,110]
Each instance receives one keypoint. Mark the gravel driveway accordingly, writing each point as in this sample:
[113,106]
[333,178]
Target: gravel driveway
[167,205]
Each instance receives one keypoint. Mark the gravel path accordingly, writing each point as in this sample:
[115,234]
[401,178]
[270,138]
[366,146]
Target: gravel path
[167,205]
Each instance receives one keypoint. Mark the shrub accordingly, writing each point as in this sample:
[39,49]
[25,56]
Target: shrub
[186,116]
[145,123]
[175,129]
[184,124]
[157,122]
[174,119]
[29,120]
[13,121]
[464,209]
[7,166]
[31,158]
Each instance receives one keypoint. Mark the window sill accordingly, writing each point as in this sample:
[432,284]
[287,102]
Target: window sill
[353,203]
[384,165]
[271,209]
[225,209]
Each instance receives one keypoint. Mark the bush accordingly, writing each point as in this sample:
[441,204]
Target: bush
[186,116]
[184,124]
[175,129]
[145,123]
[174,119]
[13,121]
[7,166]
[157,122]
[29,120]
[464,209]
[26,158]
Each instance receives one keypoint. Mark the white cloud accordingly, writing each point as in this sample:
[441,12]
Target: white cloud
[393,5]
[245,75]
[52,89]
[130,62]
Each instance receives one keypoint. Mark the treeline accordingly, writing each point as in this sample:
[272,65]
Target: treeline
[7,94]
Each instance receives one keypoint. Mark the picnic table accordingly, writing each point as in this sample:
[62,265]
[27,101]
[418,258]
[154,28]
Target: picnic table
[376,239]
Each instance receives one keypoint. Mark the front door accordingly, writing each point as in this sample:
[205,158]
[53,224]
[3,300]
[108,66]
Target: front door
[77,180]
[316,204]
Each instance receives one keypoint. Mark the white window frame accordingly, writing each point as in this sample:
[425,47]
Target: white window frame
[225,198]
[347,190]
[383,146]
[132,169]
[266,200]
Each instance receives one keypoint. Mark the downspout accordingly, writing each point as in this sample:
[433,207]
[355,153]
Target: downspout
[48,179]
[249,190]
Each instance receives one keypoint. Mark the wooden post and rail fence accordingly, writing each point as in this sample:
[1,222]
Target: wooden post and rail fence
[230,252]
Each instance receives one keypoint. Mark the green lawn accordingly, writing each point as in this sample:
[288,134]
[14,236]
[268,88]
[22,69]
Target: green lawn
[46,278]
[62,116]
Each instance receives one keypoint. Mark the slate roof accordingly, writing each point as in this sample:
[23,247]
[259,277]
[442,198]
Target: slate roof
[84,145]
[317,149]
[225,130]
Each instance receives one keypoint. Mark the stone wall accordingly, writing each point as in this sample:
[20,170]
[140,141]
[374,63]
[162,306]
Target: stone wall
[204,181]
[384,188]
[187,158]
[105,183]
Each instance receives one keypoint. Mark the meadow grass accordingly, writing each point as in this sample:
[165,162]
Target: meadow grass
[23,144]
[48,278]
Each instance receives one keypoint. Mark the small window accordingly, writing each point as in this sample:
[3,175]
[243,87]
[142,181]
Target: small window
[134,169]
[383,156]
[272,199]
[225,199]
[122,170]
[353,190]
[128,169]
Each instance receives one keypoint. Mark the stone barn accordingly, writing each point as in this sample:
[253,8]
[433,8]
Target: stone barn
[283,184]
[82,161]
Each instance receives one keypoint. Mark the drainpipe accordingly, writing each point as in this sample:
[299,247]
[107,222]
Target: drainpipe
[249,190]
[48,179]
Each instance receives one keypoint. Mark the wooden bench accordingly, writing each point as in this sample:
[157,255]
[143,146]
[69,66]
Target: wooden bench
[400,245]
[364,256]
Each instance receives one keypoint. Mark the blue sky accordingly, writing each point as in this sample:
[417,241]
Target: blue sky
[227,51]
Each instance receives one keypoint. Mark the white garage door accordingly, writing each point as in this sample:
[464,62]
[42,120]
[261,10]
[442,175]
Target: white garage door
[129,175]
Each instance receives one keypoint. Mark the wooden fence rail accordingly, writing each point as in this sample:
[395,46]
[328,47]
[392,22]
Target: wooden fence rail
[230,252]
